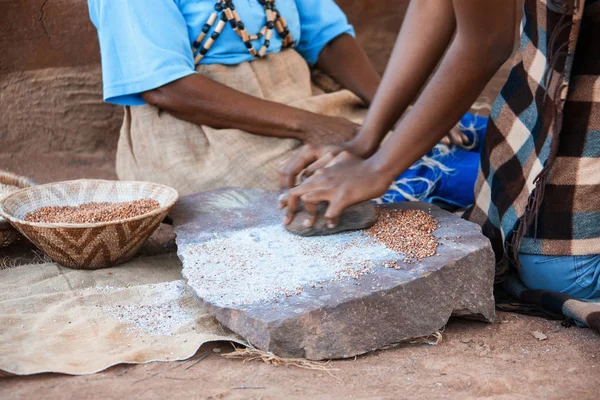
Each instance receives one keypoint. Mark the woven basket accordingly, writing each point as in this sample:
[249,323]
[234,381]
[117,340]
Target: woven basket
[10,183]
[90,245]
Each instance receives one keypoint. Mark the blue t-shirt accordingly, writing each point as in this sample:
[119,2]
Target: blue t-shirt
[147,43]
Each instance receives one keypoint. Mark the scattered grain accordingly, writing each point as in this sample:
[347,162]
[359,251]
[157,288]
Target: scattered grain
[267,263]
[162,314]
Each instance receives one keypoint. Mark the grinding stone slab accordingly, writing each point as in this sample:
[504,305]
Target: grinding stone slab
[295,302]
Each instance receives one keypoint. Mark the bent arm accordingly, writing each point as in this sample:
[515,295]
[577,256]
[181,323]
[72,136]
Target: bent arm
[347,63]
[202,101]
[426,31]
[483,42]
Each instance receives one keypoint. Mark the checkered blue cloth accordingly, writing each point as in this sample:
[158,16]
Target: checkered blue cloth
[539,180]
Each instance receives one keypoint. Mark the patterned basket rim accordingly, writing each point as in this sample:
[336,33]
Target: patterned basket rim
[18,181]
[18,221]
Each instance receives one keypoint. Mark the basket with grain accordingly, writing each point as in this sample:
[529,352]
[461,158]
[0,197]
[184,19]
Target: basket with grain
[89,245]
[10,183]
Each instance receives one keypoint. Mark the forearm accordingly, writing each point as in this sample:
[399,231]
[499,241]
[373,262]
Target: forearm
[202,101]
[454,87]
[347,63]
[424,37]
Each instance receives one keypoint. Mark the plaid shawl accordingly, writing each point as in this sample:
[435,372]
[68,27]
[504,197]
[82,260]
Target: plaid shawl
[547,114]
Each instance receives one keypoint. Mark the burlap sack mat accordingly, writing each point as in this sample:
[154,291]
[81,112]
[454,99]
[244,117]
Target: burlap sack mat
[55,319]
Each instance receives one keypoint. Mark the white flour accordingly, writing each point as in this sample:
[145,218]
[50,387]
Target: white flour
[103,289]
[161,314]
[268,263]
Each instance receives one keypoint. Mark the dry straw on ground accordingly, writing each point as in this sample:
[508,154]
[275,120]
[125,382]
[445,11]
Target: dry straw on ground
[34,257]
[253,354]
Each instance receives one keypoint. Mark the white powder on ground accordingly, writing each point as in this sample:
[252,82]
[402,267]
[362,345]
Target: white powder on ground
[103,289]
[268,263]
[160,314]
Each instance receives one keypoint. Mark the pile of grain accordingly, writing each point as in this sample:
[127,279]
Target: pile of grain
[407,232]
[92,212]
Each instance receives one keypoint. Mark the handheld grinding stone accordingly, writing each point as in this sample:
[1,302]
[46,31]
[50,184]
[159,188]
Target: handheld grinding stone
[359,216]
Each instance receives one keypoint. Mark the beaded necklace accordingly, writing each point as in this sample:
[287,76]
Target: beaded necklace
[227,12]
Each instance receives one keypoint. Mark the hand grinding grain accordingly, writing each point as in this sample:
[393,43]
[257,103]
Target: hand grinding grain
[92,212]
[357,216]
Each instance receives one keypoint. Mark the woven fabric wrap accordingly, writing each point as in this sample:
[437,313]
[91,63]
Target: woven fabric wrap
[155,146]
[91,245]
[10,183]
[544,117]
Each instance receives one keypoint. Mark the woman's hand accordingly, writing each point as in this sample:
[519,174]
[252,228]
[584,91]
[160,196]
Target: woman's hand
[198,99]
[455,137]
[329,130]
[311,157]
[348,180]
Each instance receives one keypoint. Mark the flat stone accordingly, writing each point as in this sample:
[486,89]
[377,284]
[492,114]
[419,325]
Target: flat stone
[330,296]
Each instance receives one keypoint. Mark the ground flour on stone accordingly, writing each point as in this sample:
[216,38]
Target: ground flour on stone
[161,314]
[267,263]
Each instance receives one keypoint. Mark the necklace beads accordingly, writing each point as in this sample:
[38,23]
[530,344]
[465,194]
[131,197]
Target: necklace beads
[226,10]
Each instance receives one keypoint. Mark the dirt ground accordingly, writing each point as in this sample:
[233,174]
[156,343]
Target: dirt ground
[475,360]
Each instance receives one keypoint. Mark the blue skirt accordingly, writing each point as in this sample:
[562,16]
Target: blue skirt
[445,175]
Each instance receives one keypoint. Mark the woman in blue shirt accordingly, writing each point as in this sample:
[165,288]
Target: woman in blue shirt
[229,116]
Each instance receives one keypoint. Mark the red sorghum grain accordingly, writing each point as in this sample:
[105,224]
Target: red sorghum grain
[92,212]
[407,232]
